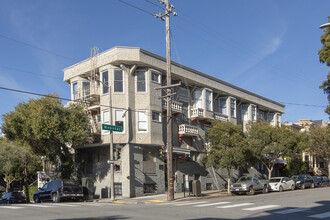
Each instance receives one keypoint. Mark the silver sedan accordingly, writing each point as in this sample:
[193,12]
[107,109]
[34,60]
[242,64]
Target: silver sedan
[281,183]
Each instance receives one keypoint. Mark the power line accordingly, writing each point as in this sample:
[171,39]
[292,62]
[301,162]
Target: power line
[309,105]
[33,73]
[38,48]
[133,6]
[154,4]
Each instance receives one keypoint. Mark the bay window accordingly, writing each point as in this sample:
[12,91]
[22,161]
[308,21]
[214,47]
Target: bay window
[142,121]
[198,101]
[105,82]
[223,105]
[209,100]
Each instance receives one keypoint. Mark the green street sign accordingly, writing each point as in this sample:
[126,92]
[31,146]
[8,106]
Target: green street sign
[112,128]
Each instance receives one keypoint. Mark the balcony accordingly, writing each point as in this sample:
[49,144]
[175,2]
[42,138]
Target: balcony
[176,106]
[201,114]
[220,117]
[88,94]
[188,130]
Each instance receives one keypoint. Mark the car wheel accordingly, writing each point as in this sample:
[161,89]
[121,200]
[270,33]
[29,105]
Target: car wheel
[303,186]
[312,186]
[251,190]
[36,199]
[56,197]
[280,189]
[292,187]
[265,189]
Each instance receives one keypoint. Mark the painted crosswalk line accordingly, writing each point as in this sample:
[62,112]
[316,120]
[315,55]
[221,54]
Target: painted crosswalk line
[11,207]
[289,211]
[322,215]
[65,205]
[189,203]
[261,207]
[234,205]
[212,204]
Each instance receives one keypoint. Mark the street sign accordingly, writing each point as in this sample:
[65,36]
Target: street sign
[112,128]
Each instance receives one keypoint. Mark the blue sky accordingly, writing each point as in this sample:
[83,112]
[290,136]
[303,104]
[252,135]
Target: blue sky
[267,47]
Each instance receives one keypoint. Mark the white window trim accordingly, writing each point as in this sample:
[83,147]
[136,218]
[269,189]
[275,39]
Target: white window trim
[113,74]
[102,84]
[137,121]
[256,113]
[82,88]
[124,120]
[246,113]
[223,98]
[145,79]
[235,112]
[160,117]
[105,132]
[201,98]
[159,76]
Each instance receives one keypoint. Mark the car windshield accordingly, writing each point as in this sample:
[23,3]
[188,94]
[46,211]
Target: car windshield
[245,178]
[275,180]
[295,178]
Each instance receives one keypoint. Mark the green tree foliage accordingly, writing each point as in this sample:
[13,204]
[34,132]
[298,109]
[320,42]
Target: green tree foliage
[228,147]
[324,55]
[49,128]
[294,166]
[270,143]
[320,143]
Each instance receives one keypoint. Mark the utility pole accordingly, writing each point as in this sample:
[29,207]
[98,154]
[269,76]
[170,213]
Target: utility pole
[170,176]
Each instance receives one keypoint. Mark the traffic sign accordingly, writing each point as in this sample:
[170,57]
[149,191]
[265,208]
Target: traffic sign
[112,128]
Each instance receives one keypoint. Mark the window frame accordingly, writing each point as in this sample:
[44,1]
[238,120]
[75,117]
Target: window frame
[105,84]
[137,81]
[122,81]
[245,117]
[225,101]
[159,116]
[138,121]
[84,96]
[209,100]
[104,132]
[74,95]
[255,113]
[235,107]
[123,120]
[159,77]
[199,100]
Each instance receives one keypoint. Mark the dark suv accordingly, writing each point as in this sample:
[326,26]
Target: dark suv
[59,190]
[303,181]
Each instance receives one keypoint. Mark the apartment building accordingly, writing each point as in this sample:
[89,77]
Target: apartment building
[129,81]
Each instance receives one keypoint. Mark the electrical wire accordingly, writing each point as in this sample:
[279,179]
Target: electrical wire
[154,4]
[133,6]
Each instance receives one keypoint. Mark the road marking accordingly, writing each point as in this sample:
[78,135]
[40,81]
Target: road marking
[157,201]
[235,205]
[261,207]
[42,206]
[68,205]
[211,204]
[289,211]
[90,204]
[11,207]
[190,203]
[322,215]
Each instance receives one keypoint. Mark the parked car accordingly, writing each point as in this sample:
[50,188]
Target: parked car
[59,190]
[249,185]
[13,197]
[303,181]
[320,181]
[281,183]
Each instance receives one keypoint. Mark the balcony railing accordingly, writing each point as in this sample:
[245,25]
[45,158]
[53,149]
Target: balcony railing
[188,130]
[220,117]
[197,113]
[91,94]
[176,106]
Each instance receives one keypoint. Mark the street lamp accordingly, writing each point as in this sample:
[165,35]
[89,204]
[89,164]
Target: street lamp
[111,161]
[325,25]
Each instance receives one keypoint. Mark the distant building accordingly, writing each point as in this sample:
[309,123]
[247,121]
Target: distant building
[318,166]
[133,74]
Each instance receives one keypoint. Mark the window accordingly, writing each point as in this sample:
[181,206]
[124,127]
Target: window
[156,116]
[142,121]
[120,118]
[270,118]
[86,89]
[198,101]
[223,105]
[261,115]
[118,81]
[254,112]
[244,113]
[233,107]
[209,101]
[74,90]
[105,82]
[141,81]
[106,120]
[183,96]
[155,77]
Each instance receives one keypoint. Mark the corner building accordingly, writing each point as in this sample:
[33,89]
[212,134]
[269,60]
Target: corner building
[129,78]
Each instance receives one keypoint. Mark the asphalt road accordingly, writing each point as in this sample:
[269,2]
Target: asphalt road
[299,204]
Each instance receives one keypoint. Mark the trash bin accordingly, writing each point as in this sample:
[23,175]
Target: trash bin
[88,188]
[196,188]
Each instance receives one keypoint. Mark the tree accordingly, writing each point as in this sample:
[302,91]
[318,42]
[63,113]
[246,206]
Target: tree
[320,143]
[271,143]
[48,128]
[324,56]
[228,147]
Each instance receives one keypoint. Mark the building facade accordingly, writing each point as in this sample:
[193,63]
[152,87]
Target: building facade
[128,92]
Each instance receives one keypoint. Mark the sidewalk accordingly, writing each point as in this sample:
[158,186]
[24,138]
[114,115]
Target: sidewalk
[162,198]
